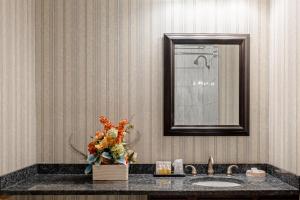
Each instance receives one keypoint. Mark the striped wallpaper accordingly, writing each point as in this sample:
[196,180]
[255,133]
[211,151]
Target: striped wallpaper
[105,57]
[17,85]
[285,85]
[64,62]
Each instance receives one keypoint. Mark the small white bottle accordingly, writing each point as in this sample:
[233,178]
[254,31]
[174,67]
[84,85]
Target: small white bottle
[178,166]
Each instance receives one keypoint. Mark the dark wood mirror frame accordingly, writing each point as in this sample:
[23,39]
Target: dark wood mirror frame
[243,40]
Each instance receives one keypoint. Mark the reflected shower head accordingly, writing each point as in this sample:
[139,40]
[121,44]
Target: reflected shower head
[196,62]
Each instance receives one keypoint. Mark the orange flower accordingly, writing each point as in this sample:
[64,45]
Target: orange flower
[99,135]
[107,124]
[100,146]
[105,143]
[91,148]
[123,122]
[121,128]
[120,136]
[119,139]
[103,120]
[110,141]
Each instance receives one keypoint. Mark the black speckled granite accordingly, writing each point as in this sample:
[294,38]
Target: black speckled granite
[17,176]
[141,169]
[67,179]
[79,168]
[61,168]
[284,175]
[145,184]
[281,174]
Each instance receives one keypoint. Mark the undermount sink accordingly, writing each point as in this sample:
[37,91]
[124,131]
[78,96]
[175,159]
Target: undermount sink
[217,182]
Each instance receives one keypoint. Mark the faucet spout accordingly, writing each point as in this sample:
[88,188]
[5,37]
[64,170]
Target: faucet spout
[194,170]
[210,166]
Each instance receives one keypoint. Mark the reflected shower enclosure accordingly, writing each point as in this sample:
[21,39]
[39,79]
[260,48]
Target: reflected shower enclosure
[203,96]
[196,84]
[206,84]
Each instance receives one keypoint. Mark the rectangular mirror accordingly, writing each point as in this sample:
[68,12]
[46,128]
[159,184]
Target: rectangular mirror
[206,84]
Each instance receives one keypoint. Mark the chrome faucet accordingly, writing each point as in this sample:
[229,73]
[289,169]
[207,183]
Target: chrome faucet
[210,166]
[229,169]
[194,171]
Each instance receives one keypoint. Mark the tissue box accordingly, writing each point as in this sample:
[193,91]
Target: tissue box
[110,172]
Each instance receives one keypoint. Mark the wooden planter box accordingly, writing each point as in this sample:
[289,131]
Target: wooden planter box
[110,172]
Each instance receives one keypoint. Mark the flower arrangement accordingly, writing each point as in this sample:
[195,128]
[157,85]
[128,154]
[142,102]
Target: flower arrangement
[108,146]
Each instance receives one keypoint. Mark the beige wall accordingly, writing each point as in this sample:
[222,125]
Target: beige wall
[285,85]
[17,85]
[105,57]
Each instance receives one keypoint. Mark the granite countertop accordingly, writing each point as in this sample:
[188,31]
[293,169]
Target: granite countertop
[143,184]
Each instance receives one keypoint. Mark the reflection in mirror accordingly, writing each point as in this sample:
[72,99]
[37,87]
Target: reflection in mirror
[206,84]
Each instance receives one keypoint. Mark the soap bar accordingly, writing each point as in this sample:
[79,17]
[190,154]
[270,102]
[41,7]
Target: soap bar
[255,173]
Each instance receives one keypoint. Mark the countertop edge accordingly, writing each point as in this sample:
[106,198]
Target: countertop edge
[264,193]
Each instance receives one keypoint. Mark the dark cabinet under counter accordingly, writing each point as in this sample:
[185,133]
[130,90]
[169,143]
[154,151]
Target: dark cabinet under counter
[160,197]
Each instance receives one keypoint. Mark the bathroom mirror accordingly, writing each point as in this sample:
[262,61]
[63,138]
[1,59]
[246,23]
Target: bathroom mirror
[206,84]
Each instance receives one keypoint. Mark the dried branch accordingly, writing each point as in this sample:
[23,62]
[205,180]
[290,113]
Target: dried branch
[73,147]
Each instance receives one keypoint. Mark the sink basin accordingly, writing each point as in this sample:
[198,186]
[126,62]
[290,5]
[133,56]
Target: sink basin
[217,182]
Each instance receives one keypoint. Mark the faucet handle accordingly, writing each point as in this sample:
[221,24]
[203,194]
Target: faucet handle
[229,169]
[194,171]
